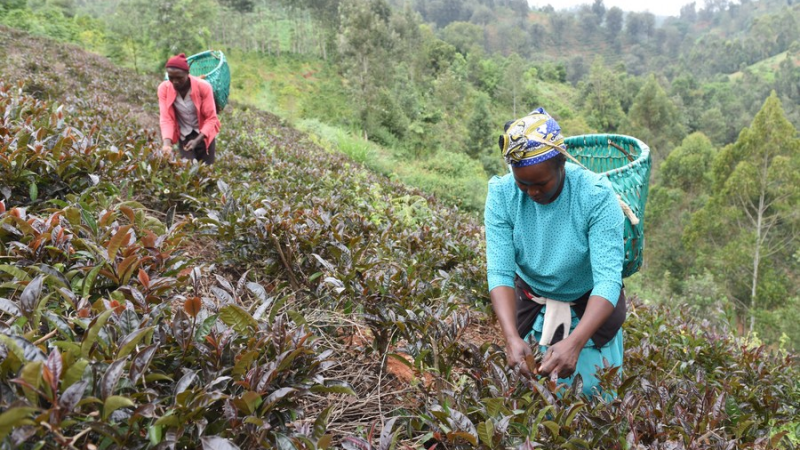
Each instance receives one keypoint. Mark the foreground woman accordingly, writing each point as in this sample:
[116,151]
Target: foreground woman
[555,251]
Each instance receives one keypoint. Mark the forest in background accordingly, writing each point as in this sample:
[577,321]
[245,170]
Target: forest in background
[418,91]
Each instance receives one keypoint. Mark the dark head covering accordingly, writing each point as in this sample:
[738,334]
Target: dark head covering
[178,62]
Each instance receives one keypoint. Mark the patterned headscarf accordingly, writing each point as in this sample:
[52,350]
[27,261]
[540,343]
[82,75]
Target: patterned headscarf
[532,139]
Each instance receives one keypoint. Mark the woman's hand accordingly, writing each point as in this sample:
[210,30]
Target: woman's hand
[166,148]
[166,151]
[194,143]
[560,359]
[518,352]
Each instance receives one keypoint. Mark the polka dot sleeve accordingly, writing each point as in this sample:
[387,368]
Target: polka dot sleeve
[606,245]
[500,263]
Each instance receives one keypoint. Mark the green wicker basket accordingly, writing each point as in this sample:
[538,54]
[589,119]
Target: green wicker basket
[625,161]
[213,67]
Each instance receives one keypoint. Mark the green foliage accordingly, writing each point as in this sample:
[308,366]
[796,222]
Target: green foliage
[241,6]
[706,298]
[465,37]
[678,385]
[178,27]
[133,361]
[51,21]
[681,191]
[481,132]
[9,5]
[111,337]
[517,87]
[356,148]
[749,215]
[600,96]
[687,167]
[453,176]
[49,157]
[365,45]
[655,118]
[781,324]
[427,99]
[86,256]
[133,46]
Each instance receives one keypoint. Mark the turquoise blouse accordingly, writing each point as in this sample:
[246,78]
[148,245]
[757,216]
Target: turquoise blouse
[562,250]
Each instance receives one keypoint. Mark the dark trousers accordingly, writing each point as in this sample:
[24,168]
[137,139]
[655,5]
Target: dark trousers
[527,310]
[199,152]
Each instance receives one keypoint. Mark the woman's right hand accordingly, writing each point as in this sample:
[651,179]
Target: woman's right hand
[518,352]
[166,150]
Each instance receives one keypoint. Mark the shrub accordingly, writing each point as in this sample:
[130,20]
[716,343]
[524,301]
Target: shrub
[111,341]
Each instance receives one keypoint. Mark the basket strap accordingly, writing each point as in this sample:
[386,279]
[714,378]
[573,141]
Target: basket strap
[556,147]
[625,208]
[628,211]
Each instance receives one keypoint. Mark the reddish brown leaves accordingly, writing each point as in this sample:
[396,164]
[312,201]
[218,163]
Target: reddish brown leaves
[144,279]
[120,238]
[192,306]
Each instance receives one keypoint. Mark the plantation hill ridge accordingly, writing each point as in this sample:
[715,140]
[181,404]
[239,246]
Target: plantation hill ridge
[290,297]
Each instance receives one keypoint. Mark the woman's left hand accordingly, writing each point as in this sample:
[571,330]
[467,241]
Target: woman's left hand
[194,143]
[560,359]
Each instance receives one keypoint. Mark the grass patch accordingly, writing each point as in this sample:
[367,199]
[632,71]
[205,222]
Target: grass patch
[556,97]
[766,68]
[451,176]
[337,139]
[306,92]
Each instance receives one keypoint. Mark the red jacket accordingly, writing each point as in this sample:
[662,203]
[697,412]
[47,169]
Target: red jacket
[203,99]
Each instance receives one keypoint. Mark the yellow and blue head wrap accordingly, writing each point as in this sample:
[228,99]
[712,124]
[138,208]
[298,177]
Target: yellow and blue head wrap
[532,139]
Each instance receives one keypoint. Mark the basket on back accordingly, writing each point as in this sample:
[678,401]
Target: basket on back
[625,161]
[213,67]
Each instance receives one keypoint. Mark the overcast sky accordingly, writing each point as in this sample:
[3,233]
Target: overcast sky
[657,7]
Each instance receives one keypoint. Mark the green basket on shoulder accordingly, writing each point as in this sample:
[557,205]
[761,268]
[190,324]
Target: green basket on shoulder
[213,67]
[625,161]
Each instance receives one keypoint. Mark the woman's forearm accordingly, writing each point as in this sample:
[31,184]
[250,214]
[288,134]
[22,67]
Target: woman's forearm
[598,310]
[505,307]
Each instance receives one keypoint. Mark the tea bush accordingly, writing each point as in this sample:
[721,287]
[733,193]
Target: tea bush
[683,386]
[49,154]
[109,339]
[111,334]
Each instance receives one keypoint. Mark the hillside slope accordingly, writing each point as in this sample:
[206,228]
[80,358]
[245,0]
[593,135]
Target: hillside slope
[767,68]
[73,76]
[286,297]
